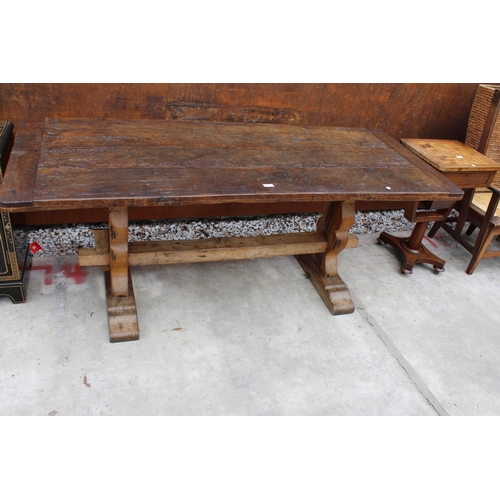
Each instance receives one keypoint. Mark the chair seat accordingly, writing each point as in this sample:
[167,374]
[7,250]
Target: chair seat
[480,204]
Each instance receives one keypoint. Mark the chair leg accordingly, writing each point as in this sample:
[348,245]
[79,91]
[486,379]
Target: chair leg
[487,231]
[434,229]
[480,250]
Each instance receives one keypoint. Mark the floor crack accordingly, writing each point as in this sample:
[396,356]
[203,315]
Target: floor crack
[403,363]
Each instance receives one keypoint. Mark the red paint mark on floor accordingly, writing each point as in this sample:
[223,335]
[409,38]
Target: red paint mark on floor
[49,272]
[440,238]
[430,241]
[76,273]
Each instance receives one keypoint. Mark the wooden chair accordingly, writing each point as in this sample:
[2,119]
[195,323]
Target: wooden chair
[484,214]
[483,134]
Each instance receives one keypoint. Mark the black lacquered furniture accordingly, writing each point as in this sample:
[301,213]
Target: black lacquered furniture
[12,275]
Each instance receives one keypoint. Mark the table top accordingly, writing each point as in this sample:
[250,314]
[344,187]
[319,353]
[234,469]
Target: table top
[90,163]
[450,156]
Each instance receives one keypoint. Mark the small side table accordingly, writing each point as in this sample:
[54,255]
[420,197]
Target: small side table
[466,168]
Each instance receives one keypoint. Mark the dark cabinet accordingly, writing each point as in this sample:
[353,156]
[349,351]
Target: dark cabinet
[13,263]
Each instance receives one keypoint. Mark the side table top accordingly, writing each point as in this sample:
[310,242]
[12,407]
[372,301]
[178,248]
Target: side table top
[450,156]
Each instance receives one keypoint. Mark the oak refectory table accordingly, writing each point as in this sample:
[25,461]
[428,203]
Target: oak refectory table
[91,163]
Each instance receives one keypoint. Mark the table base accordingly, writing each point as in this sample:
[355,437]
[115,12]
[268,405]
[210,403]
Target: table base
[411,256]
[122,313]
[316,252]
[333,291]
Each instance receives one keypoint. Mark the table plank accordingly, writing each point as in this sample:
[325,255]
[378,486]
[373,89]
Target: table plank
[184,186]
[62,133]
[121,157]
[21,172]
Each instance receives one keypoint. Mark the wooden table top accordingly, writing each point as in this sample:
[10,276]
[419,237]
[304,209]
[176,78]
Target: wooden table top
[450,156]
[90,163]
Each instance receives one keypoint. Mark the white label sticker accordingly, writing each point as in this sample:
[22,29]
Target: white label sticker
[268,185]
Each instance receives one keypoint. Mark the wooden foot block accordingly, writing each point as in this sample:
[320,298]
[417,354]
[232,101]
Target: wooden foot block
[122,314]
[352,241]
[409,256]
[333,291]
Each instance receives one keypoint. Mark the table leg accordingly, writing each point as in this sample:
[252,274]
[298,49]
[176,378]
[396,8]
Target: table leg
[122,310]
[464,209]
[338,217]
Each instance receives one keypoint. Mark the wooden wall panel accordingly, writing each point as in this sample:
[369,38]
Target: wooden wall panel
[402,110]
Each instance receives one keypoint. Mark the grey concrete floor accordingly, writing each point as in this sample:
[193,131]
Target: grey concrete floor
[254,338]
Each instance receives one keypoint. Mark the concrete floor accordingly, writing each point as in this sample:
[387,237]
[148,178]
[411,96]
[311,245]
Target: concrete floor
[254,338]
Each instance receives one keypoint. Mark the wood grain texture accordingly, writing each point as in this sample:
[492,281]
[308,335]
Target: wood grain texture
[21,171]
[104,163]
[450,156]
[333,291]
[118,252]
[212,249]
[466,180]
[402,110]
[337,219]
[322,269]
[123,322]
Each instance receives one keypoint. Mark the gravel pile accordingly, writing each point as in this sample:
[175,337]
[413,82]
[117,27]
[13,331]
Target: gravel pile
[67,239]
